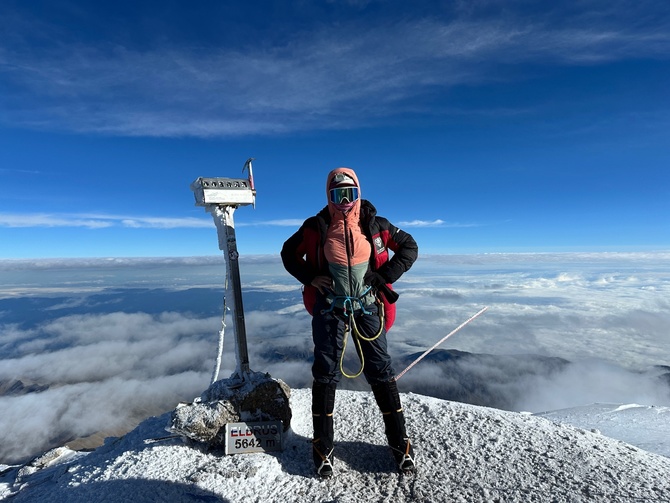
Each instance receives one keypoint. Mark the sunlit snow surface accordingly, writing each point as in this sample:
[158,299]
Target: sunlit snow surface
[645,426]
[465,453]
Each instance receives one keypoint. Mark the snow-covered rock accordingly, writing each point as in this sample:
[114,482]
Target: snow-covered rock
[258,398]
[464,453]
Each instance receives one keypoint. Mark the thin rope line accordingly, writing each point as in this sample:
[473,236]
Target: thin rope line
[440,342]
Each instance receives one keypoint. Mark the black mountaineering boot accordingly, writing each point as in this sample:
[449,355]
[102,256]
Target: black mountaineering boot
[388,399]
[323,403]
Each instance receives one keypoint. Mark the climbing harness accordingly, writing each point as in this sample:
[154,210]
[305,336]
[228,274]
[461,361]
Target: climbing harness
[350,325]
[347,302]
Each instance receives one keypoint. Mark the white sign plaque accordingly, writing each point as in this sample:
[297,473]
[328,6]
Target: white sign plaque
[262,436]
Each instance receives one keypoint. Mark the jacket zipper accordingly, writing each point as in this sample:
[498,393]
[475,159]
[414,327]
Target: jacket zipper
[349,252]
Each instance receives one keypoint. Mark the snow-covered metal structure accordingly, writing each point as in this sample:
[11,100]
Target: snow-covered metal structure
[221,197]
[249,411]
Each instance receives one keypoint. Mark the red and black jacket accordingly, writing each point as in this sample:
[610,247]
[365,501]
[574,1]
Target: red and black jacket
[303,256]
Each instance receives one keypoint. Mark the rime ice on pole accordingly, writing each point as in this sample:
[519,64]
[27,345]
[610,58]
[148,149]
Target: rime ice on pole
[252,397]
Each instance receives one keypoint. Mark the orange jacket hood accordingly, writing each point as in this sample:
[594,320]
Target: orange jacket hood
[355,211]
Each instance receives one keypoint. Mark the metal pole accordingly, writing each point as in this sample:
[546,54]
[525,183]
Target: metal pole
[225,225]
[221,197]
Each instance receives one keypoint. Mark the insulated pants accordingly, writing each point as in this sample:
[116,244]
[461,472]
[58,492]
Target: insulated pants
[328,334]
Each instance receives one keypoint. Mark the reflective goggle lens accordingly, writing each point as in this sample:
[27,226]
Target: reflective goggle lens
[341,195]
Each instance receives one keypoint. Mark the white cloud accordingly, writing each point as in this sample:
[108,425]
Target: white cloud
[434,223]
[550,304]
[108,371]
[162,223]
[331,77]
[105,372]
[31,422]
[98,347]
[46,220]
[601,311]
[422,223]
[286,222]
[589,382]
[96,221]
[101,221]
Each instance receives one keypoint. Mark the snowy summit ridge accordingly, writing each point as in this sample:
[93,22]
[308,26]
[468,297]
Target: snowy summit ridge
[464,453]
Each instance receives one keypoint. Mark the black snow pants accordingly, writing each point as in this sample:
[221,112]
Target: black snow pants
[328,329]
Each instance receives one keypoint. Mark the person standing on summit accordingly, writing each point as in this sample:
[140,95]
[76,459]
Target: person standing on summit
[341,256]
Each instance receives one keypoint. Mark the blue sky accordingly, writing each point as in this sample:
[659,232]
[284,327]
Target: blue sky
[480,126]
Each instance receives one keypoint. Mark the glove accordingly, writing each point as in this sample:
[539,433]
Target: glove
[377,281]
[374,279]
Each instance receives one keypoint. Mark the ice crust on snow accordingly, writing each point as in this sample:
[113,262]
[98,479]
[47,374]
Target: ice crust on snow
[630,423]
[465,453]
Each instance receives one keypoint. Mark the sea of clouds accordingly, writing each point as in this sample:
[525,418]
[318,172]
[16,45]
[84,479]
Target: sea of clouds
[100,344]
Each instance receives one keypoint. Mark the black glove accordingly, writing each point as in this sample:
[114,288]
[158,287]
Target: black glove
[377,281]
[374,279]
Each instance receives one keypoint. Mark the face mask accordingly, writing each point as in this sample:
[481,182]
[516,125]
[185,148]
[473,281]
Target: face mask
[344,208]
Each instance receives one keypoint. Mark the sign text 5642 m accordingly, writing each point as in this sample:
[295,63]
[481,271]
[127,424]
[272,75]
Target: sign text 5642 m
[263,436]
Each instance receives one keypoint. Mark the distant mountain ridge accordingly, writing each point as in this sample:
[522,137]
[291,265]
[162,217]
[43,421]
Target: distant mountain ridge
[17,387]
[476,378]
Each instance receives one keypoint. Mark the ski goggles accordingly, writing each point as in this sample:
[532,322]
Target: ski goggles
[341,195]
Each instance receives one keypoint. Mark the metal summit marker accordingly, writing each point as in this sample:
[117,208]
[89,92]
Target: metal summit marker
[221,197]
[248,412]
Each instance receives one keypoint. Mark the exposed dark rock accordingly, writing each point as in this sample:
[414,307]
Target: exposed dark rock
[258,398]
[17,387]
